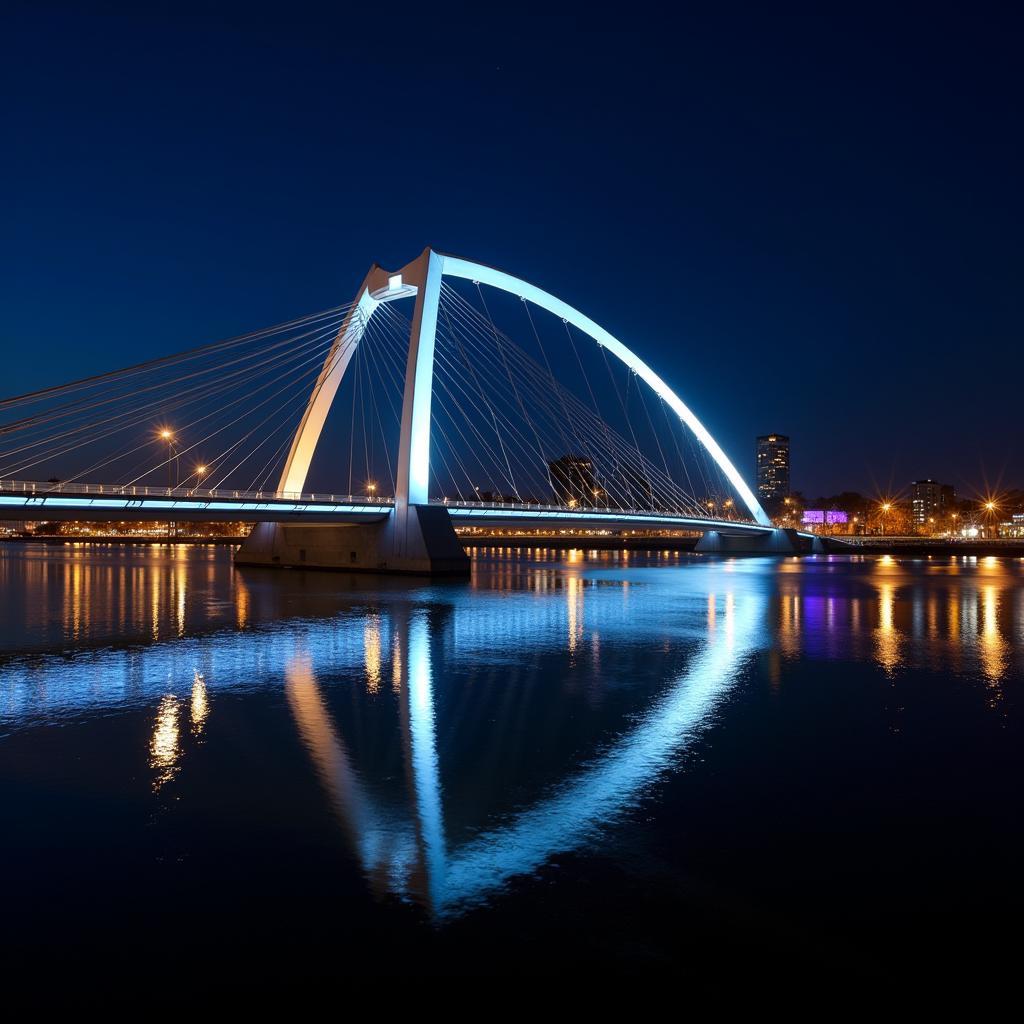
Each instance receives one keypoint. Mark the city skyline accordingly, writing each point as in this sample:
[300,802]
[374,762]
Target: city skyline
[971,489]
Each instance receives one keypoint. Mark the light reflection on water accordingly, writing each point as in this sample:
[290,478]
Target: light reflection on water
[612,663]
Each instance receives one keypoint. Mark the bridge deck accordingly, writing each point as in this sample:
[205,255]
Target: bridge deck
[104,503]
[28,500]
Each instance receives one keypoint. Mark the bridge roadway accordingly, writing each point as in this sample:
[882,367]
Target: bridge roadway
[23,501]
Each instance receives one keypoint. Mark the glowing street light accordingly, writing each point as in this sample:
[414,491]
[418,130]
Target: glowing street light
[991,507]
[166,434]
[886,506]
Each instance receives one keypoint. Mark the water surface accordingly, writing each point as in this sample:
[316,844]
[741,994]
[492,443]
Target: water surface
[643,761]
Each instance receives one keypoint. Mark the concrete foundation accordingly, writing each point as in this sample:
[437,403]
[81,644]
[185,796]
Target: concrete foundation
[778,542]
[416,539]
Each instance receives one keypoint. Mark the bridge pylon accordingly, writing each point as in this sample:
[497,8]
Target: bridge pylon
[416,537]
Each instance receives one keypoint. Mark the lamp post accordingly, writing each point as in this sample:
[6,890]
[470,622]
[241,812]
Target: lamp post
[166,434]
[990,514]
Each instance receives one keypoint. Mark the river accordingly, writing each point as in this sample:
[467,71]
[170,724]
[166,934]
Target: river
[639,760]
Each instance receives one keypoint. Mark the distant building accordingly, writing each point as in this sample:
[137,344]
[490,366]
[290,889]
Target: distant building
[773,467]
[574,481]
[930,500]
[1014,529]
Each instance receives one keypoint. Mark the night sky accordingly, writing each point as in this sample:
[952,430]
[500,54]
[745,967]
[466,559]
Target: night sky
[810,225]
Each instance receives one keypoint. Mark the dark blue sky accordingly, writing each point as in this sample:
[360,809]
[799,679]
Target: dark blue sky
[806,224]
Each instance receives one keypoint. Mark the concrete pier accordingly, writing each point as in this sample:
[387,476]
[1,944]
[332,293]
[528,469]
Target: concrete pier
[414,539]
[775,542]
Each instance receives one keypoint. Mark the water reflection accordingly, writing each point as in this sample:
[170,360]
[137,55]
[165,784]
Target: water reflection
[463,735]
[200,707]
[952,615]
[403,847]
[888,638]
[163,747]
[80,594]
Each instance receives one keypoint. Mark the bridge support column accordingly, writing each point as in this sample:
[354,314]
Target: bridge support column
[776,542]
[416,540]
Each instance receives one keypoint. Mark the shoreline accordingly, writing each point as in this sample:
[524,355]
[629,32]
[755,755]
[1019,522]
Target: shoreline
[901,547]
[97,539]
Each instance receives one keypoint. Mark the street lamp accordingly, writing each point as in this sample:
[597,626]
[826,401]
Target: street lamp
[371,488]
[991,507]
[168,436]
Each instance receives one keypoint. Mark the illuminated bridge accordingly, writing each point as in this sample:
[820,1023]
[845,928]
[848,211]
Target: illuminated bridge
[448,393]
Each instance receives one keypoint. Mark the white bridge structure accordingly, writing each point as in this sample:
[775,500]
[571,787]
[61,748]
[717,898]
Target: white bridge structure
[482,433]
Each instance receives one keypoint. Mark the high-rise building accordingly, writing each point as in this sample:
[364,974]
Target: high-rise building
[930,499]
[574,481]
[772,467]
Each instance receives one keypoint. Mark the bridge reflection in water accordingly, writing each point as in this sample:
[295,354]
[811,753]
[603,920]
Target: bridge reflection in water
[406,851]
[466,734]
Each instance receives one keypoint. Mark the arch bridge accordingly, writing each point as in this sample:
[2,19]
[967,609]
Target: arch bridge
[469,405]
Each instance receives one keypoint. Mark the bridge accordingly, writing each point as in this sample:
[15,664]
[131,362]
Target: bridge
[550,422]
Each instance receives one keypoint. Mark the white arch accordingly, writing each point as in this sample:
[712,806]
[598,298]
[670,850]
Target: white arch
[452,266]
[293,475]
[423,277]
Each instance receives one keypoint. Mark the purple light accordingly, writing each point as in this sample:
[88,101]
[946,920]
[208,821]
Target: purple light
[831,518]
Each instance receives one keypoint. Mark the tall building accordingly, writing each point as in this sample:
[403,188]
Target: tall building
[574,481]
[772,467]
[930,499]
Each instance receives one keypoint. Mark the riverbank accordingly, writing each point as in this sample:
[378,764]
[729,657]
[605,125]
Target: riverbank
[589,543]
[898,546]
[928,546]
[101,539]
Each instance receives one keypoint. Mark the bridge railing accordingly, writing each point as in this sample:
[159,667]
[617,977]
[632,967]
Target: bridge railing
[35,488]
[535,506]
